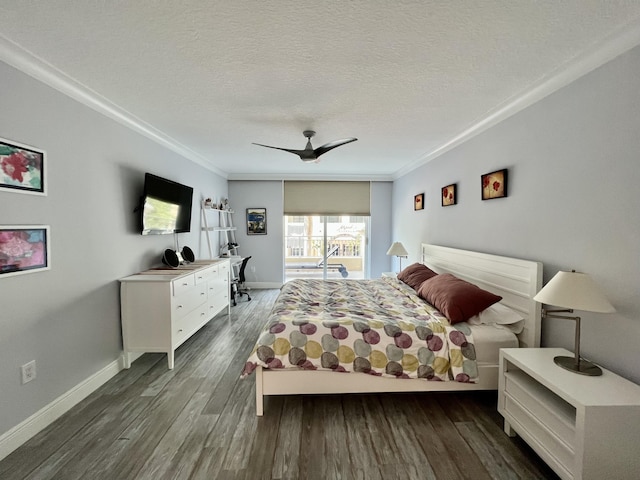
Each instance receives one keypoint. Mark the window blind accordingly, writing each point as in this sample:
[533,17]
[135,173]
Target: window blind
[327,198]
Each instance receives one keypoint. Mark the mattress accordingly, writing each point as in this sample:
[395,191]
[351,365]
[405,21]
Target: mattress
[489,339]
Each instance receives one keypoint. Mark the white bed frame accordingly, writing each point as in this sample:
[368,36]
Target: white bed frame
[517,281]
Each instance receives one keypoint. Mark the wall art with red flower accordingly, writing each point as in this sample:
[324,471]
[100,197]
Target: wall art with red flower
[418,202]
[494,184]
[24,249]
[449,195]
[21,168]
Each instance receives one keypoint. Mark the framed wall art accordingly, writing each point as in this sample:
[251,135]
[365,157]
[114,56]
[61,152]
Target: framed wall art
[256,221]
[418,202]
[494,184]
[24,249]
[22,168]
[449,195]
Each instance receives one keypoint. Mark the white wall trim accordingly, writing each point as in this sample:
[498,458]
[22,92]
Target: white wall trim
[263,285]
[615,45]
[28,63]
[25,430]
[311,176]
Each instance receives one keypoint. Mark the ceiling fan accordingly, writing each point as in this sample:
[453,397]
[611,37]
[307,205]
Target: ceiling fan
[309,154]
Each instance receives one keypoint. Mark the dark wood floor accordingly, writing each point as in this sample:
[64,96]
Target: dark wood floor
[198,421]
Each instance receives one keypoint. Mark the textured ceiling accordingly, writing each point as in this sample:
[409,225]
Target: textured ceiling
[406,77]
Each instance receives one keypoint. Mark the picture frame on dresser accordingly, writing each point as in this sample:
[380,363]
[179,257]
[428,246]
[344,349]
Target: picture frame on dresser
[24,249]
[22,168]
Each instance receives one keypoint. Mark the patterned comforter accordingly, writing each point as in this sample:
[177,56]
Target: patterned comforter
[380,327]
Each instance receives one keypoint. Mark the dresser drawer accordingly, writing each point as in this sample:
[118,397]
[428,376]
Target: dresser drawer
[188,325]
[183,304]
[206,274]
[182,284]
[223,270]
[548,445]
[553,412]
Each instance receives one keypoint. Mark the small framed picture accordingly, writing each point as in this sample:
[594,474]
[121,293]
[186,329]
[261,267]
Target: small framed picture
[256,221]
[494,184]
[449,195]
[21,168]
[418,202]
[24,249]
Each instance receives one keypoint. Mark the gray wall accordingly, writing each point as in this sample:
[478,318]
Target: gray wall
[573,201]
[266,250]
[267,256]
[67,319]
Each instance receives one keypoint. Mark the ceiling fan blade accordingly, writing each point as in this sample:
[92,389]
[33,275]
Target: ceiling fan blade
[290,150]
[331,145]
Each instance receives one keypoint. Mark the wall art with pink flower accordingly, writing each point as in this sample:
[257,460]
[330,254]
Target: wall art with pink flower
[494,184]
[21,168]
[24,249]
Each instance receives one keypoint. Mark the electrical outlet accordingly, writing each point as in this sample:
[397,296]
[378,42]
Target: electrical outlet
[28,371]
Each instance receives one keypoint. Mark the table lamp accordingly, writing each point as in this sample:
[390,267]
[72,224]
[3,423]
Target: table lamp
[398,250]
[574,290]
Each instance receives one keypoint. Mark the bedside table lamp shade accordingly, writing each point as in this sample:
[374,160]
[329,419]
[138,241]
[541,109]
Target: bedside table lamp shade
[573,290]
[398,250]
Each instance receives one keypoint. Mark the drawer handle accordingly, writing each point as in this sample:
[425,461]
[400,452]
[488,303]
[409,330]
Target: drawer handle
[179,306]
[202,314]
[180,331]
[202,294]
[185,284]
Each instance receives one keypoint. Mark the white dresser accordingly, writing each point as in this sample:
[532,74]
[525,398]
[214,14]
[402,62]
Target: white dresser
[583,427]
[161,308]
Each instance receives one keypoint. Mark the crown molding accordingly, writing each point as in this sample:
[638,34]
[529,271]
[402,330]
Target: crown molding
[338,177]
[28,63]
[614,46]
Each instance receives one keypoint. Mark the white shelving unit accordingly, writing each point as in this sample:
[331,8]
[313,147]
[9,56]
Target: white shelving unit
[583,427]
[221,238]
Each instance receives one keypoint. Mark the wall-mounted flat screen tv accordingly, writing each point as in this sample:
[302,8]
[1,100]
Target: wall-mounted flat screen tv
[165,206]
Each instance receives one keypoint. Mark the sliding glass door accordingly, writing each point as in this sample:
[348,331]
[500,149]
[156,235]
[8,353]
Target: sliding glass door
[322,247]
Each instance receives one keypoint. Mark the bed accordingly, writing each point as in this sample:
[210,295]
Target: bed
[473,356]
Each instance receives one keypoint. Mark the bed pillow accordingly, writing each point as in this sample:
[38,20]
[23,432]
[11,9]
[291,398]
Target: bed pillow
[499,316]
[456,299]
[414,275]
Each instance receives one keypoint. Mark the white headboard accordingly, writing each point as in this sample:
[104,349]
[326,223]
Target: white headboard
[515,280]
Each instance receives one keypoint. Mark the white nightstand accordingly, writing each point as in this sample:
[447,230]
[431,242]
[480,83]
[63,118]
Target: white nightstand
[583,427]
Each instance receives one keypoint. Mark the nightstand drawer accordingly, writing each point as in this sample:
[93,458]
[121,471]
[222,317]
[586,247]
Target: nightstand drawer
[550,410]
[554,449]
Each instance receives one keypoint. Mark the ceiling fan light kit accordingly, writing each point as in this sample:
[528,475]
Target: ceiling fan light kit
[309,154]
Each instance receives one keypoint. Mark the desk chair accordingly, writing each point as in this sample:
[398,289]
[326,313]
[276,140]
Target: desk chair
[237,284]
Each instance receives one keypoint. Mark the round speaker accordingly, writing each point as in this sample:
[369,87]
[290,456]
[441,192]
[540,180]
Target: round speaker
[170,258]
[187,254]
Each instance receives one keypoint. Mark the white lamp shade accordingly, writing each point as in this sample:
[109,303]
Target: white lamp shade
[397,249]
[576,291]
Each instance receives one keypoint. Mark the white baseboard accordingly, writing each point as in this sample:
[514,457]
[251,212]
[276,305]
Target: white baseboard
[22,432]
[263,285]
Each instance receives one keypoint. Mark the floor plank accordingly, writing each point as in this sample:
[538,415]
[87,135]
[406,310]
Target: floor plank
[198,421]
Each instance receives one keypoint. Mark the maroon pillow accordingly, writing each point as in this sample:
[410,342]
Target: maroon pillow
[456,299]
[415,274]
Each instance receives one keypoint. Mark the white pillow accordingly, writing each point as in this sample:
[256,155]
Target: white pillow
[500,316]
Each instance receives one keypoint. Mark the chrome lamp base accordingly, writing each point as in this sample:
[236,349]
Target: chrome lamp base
[580,366]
